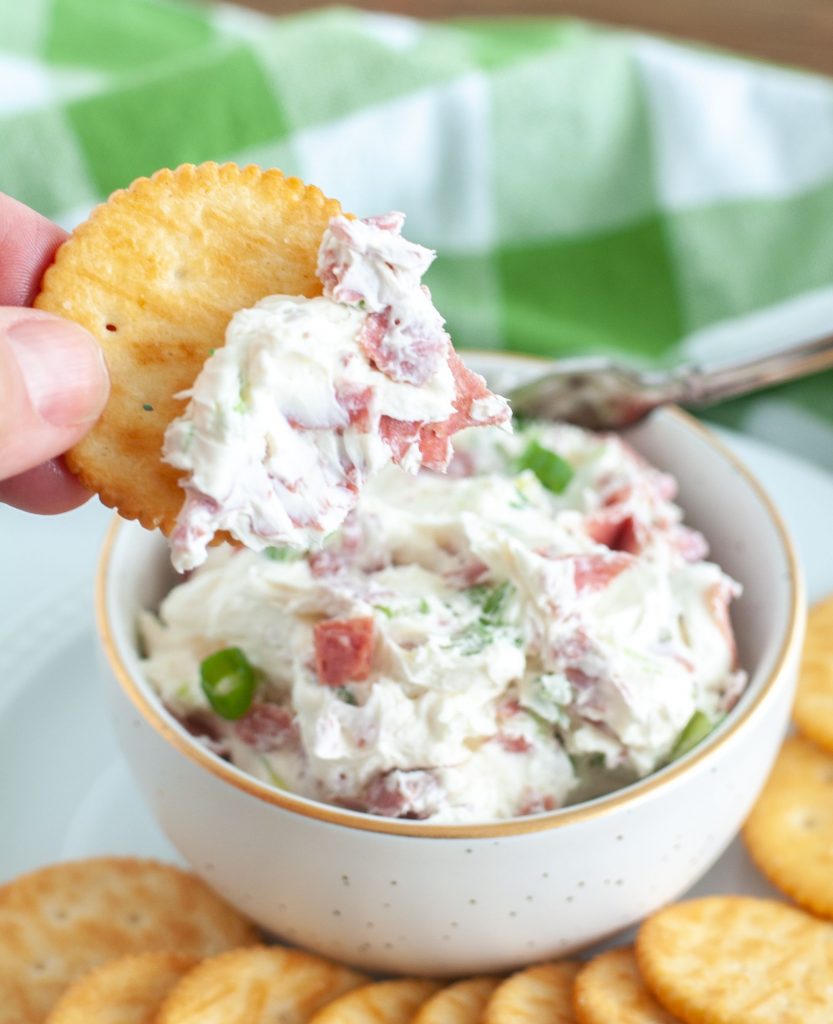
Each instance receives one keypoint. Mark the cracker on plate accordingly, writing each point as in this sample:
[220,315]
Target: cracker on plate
[813,709]
[538,995]
[460,1003]
[155,275]
[789,833]
[257,985]
[128,990]
[610,990]
[61,921]
[383,1002]
[738,960]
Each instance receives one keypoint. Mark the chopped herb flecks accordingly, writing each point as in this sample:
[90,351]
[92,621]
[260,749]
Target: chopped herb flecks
[477,593]
[479,634]
[494,601]
[473,638]
[346,695]
[244,396]
[147,407]
[520,501]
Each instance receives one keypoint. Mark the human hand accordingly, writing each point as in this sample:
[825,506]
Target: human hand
[53,379]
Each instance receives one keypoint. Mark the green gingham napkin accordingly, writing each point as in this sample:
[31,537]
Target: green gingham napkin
[587,190]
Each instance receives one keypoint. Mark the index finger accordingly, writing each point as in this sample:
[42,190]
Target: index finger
[27,246]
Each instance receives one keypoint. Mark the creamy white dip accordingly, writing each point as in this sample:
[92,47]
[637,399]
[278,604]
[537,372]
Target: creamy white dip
[494,642]
[308,398]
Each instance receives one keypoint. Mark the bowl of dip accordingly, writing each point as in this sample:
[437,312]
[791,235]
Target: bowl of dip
[381,780]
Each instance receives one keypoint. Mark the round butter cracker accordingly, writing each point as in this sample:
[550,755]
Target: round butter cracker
[813,709]
[610,990]
[460,1003]
[129,990]
[257,985]
[538,995]
[383,1002]
[155,275]
[738,960]
[789,833]
[60,922]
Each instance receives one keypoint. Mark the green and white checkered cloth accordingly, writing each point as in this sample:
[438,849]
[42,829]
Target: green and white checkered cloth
[587,190]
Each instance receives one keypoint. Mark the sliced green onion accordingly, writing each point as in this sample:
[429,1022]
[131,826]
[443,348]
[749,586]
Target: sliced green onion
[494,601]
[346,695]
[477,593]
[383,608]
[274,778]
[474,638]
[521,500]
[228,681]
[697,728]
[424,606]
[554,472]
[282,554]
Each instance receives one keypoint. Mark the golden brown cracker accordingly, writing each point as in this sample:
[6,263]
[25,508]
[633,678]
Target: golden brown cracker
[538,995]
[384,1002]
[155,275]
[257,985]
[460,1003]
[738,960]
[610,990]
[129,990]
[60,922]
[813,709]
[789,833]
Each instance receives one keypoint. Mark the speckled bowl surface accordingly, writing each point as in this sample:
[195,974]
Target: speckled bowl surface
[411,897]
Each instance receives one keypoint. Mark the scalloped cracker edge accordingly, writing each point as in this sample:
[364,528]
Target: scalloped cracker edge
[155,275]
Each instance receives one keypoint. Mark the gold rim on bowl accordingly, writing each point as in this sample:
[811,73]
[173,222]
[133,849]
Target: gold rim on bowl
[630,794]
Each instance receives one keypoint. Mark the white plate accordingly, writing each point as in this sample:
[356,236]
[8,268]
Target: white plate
[64,789]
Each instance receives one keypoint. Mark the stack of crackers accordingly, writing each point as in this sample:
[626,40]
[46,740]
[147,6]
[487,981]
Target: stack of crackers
[123,941]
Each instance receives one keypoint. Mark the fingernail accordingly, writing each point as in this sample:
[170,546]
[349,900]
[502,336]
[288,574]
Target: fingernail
[63,367]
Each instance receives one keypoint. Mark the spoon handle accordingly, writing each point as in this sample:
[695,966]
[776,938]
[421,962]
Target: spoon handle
[701,385]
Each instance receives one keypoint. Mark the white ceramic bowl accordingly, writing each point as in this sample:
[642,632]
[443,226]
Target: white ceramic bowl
[406,896]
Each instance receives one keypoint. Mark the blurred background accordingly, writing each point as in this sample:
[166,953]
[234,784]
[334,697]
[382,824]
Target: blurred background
[651,179]
[798,32]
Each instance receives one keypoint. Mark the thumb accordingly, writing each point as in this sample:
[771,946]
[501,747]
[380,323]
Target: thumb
[53,386]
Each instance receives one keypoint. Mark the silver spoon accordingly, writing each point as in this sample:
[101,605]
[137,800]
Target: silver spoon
[602,394]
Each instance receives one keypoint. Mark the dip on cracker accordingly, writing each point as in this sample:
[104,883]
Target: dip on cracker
[309,398]
[303,341]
